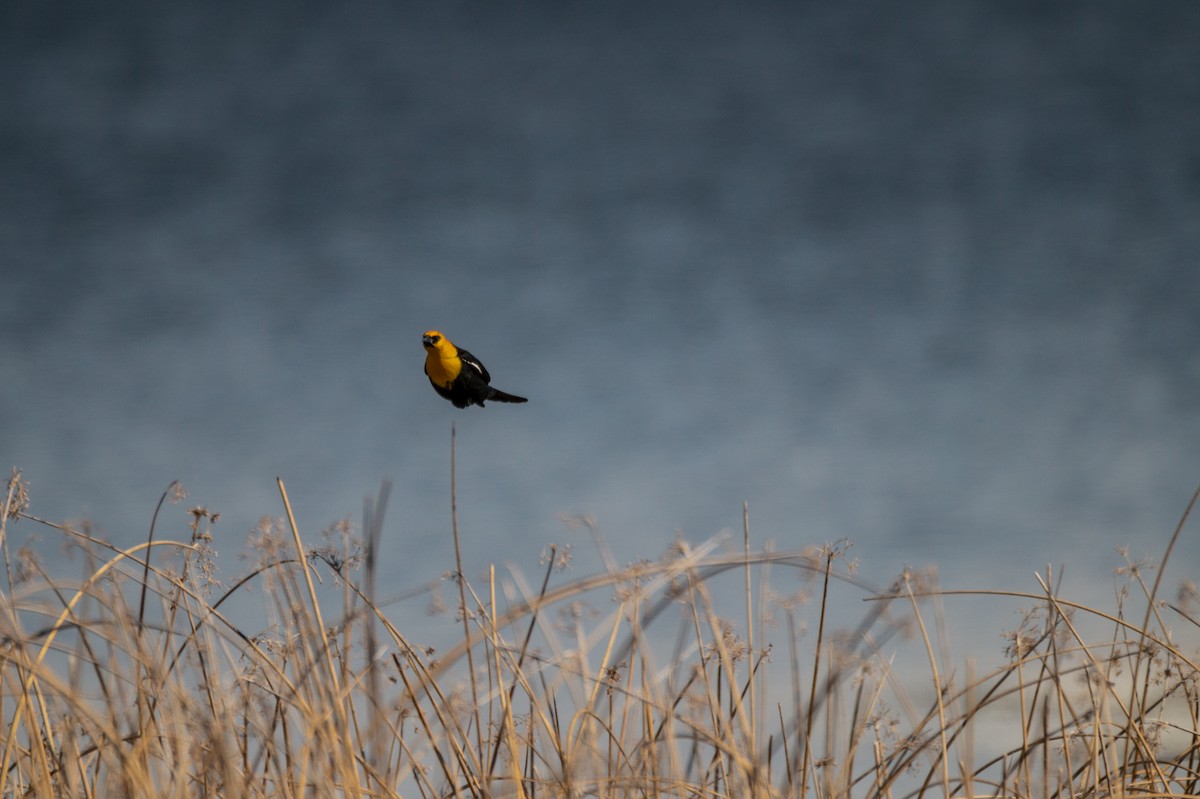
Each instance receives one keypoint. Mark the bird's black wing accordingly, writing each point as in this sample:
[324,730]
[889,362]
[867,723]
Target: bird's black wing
[470,360]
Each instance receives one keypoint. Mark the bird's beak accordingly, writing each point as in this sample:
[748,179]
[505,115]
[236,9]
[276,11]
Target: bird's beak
[427,341]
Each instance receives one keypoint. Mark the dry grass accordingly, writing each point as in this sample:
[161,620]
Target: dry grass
[692,675]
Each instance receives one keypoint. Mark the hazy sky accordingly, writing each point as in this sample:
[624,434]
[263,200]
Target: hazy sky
[924,277]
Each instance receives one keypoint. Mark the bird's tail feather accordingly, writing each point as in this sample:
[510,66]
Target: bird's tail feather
[500,396]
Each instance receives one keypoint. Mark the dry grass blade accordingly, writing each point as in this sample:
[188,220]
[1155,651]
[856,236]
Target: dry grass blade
[651,679]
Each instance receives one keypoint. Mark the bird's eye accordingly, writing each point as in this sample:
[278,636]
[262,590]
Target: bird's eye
[435,339]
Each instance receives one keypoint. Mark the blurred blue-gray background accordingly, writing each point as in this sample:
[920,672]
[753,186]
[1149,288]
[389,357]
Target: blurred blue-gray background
[923,276]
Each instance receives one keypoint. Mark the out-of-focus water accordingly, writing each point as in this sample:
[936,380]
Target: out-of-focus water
[924,277]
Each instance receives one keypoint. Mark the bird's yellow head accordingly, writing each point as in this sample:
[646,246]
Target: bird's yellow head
[434,340]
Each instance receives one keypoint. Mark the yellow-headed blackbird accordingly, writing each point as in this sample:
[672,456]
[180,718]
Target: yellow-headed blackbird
[458,375]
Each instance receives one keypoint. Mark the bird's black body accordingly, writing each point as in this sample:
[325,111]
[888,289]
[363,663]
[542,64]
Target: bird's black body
[471,386]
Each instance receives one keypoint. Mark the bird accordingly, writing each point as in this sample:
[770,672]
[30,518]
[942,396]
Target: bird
[458,375]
